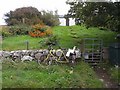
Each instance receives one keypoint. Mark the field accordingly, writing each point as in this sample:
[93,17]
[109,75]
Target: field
[32,75]
[69,36]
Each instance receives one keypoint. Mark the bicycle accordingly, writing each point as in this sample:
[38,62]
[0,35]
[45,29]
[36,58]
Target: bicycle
[57,56]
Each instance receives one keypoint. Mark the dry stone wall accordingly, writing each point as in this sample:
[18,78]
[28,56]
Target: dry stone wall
[30,54]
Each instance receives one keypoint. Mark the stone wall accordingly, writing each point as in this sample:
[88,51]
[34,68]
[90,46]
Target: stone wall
[31,54]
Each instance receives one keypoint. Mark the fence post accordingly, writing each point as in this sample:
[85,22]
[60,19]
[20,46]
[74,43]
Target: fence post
[27,44]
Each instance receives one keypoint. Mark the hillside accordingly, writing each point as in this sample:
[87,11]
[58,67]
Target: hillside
[69,36]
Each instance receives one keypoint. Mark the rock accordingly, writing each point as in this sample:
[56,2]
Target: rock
[45,51]
[71,72]
[6,54]
[27,58]
[16,55]
[38,56]
[78,53]
[40,51]
[101,80]
[32,54]
[24,50]
[59,52]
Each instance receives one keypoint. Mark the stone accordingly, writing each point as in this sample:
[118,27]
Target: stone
[101,80]
[38,56]
[40,50]
[27,58]
[45,51]
[6,54]
[58,52]
[78,53]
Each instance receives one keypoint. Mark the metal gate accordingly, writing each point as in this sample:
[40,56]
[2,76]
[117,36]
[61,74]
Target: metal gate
[92,52]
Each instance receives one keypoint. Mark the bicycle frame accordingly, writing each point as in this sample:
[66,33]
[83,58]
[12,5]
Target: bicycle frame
[57,59]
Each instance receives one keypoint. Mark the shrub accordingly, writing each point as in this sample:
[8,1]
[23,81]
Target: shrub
[49,18]
[5,31]
[20,29]
[5,34]
[51,40]
[40,30]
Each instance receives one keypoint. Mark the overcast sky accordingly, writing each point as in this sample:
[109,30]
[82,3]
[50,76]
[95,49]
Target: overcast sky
[7,5]
[60,5]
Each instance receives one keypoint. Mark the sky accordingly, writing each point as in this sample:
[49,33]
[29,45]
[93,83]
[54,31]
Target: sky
[60,5]
[7,5]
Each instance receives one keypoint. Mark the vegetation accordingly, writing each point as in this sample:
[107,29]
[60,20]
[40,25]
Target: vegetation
[68,37]
[112,70]
[97,14]
[4,31]
[27,15]
[40,30]
[27,22]
[31,16]
[49,18]
[32,75]
[114,73]
[52,40]
[20,29]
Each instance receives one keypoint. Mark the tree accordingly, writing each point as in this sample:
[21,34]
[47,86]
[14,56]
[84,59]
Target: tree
[98,14]
[26,15]
[49,18]
[31,16]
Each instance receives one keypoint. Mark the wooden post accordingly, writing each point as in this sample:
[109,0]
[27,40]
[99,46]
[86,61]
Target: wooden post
[67,21]
[27,45]
[23,20]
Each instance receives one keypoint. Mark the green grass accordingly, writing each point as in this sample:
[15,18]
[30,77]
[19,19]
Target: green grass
[19,42]
[69,36]
[32,75]
[112,70]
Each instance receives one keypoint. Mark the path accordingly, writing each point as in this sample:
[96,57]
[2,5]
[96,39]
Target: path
[105,78]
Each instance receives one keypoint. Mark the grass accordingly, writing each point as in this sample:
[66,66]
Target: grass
[32,75]
[73,34]
[112,70]
[69,36]
[19,42]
